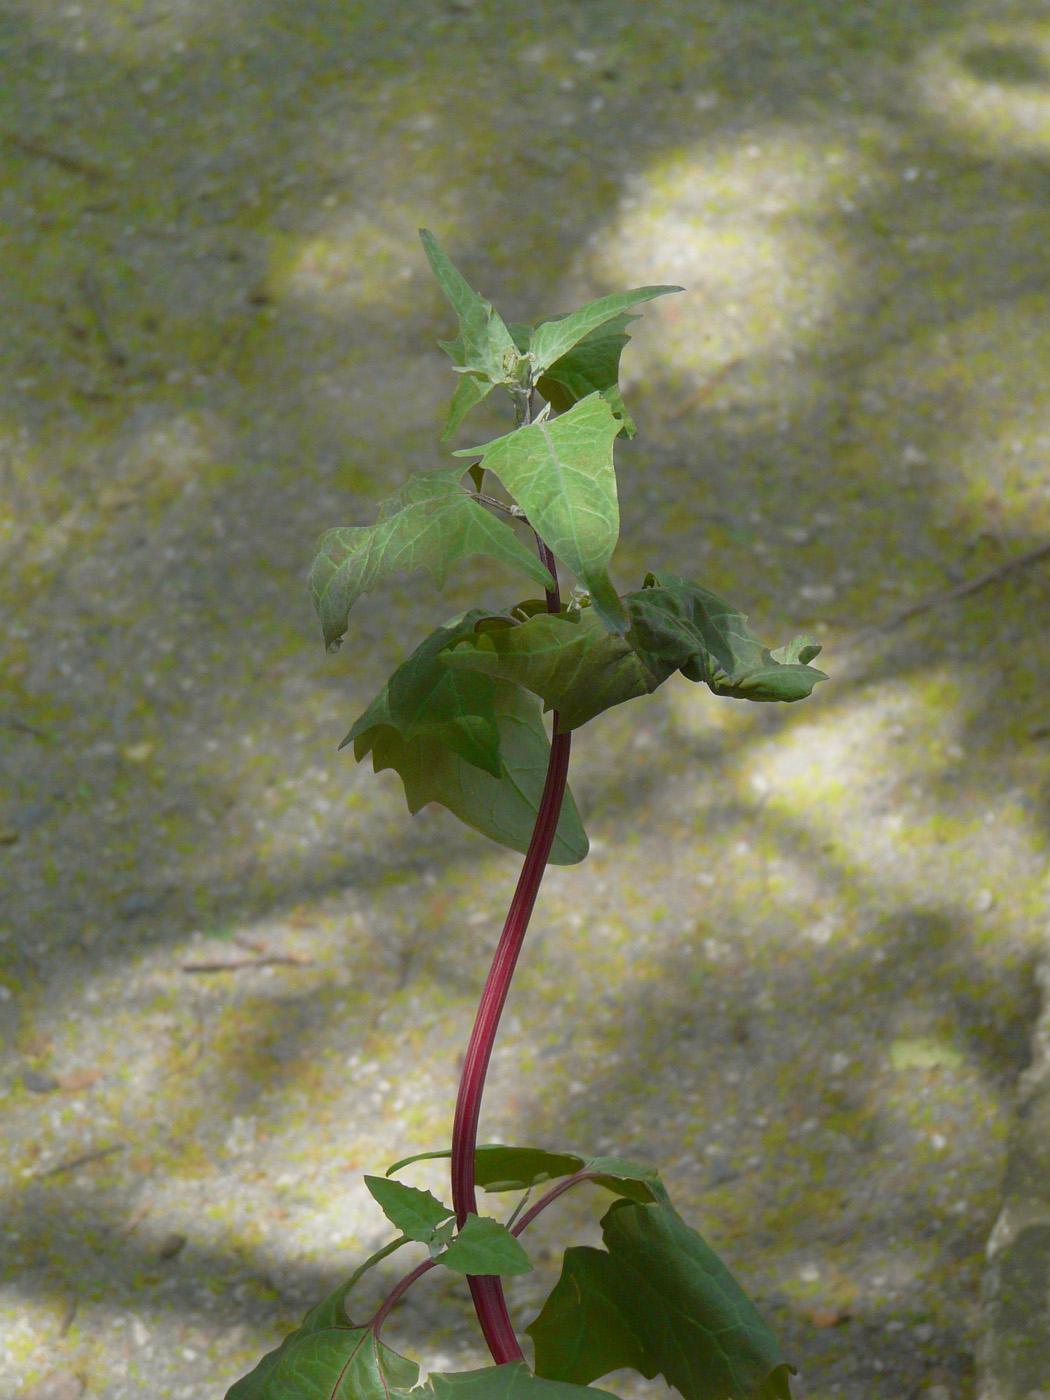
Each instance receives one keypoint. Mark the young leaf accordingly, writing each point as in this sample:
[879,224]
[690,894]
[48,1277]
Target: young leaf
[483,352]
[660,1301]
[484,1246]
[481,752]
[513,1381]
[679,622]
[592,365]
[555,338]
[561,473]
[415,1213]
[430,523]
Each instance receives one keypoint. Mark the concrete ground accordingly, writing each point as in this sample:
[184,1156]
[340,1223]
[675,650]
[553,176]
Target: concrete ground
[799,968]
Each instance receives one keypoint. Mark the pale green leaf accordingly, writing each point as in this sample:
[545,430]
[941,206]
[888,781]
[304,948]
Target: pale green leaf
[431,522]
[483,352]
[593,365]
[561,473]
[555,338]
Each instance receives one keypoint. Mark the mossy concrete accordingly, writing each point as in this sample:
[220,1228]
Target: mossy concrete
[797,969]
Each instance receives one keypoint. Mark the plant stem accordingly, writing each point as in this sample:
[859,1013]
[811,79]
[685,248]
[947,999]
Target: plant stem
[486,1289]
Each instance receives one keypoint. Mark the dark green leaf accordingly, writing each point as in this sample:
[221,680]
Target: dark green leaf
[500,1168]
[569,659]
[483,352]
[418,702]
[584,1329]
[415,1213]
[679,623]
[555,338]
[636,1181]
[561,473]
[343,1363]
[662,1302]
[328,1358]
[430,523]
[480,751]
[484,1246]
[513,1381]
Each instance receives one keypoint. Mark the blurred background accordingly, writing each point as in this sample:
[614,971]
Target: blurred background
[797,968]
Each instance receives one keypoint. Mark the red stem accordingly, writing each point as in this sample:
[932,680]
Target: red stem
[486,1289]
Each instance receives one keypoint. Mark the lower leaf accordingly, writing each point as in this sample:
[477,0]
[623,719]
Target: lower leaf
[662,1302]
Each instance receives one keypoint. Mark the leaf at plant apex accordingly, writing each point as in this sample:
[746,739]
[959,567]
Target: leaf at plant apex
[657,1299]
[484,351]
[430,523]
[592,365]
[554,339]
[481,752]
[560,471]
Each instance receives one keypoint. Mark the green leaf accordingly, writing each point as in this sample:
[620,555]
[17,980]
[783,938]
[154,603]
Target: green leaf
[555,338]
[633,1180]
[430,523]
[484,1246]
[568,659]
[328,1358]
[415,1213]
[481,751]
[561,473]
[579,669]
[514,1381]
[419,702]
[591,366]
[678,622]
[483,352]
[346,1363]
[501,1168]
[659,1300]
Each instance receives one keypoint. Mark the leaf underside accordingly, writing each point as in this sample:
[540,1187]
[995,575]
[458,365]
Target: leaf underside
[659,1300]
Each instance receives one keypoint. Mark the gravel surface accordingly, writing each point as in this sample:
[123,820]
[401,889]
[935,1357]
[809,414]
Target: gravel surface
[797,968]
